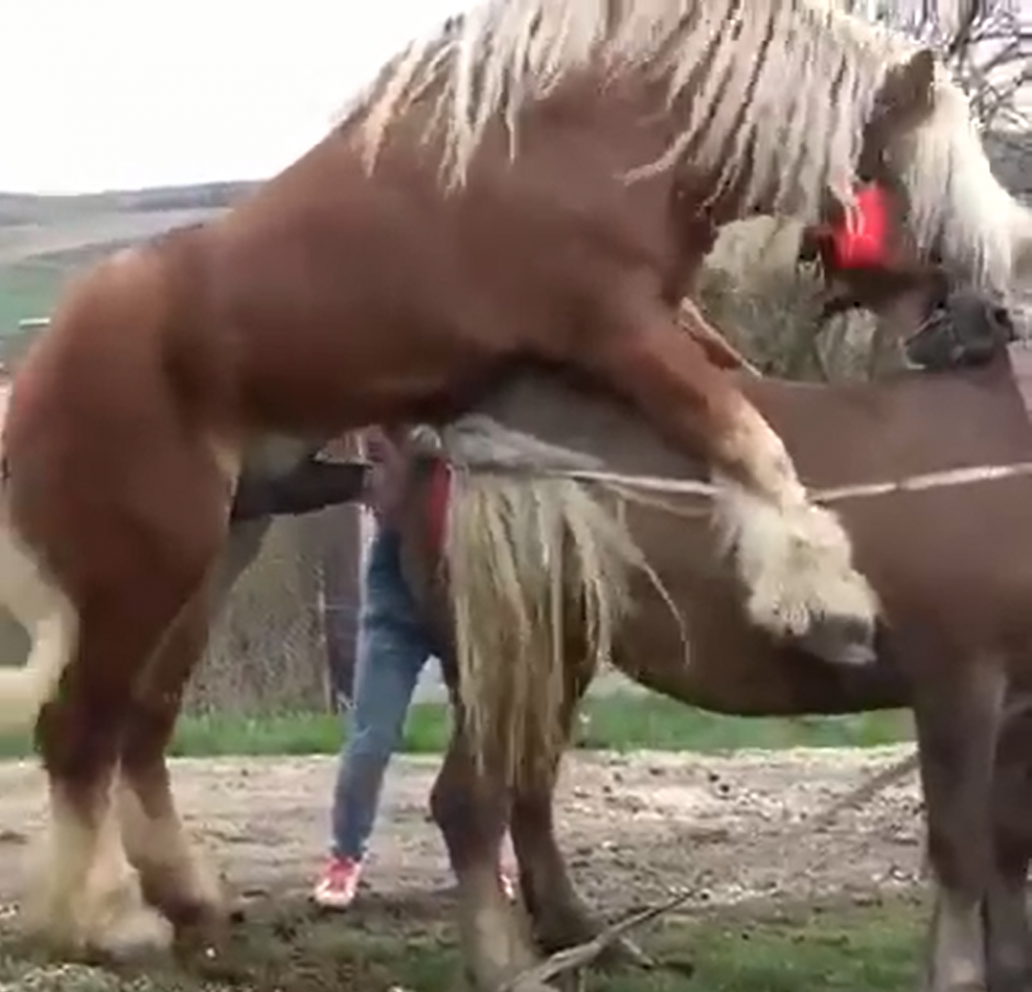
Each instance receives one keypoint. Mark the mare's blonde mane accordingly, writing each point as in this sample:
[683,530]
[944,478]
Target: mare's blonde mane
[771,94]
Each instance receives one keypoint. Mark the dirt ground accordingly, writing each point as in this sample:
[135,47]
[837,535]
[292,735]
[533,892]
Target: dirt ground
[635,828]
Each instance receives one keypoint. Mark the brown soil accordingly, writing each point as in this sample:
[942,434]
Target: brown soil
[635,828]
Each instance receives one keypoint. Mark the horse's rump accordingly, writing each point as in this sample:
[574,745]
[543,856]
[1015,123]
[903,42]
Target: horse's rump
[539,569]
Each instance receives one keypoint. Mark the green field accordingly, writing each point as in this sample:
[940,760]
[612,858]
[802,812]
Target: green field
[49,237]
[620,722]
[27,290]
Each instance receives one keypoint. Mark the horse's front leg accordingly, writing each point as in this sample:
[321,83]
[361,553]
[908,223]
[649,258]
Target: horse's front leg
[1008,951]
[957,722]
[794,558]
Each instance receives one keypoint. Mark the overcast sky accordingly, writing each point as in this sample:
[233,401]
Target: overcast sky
[100,94]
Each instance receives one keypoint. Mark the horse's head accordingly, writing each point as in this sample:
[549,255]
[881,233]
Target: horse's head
[868,259]
[921,143]
[964,330]
[869,262]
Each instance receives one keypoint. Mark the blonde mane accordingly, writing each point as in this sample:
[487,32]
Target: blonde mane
[770,94]
[775,74]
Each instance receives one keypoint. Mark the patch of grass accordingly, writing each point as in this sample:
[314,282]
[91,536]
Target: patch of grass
[622,721]
[629,722]
[619,722]
[27,290]
[288,949]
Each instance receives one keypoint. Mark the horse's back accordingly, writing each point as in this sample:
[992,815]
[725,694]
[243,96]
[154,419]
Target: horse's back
[955,550]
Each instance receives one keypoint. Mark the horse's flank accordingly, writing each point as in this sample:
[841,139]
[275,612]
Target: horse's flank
[647,575]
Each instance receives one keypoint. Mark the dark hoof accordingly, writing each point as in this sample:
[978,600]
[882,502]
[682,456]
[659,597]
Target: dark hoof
[841,641]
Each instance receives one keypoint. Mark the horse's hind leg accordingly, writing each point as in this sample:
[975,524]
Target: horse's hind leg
[131,565]
[91,896]
[471,814]
[174,875]
[1007,950]
[561,918]
[86,893]
[794,558]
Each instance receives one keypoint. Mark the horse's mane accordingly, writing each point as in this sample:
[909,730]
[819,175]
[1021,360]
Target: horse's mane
[811,71]
[772,94]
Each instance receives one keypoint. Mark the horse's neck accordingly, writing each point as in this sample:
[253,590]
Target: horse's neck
[911,423]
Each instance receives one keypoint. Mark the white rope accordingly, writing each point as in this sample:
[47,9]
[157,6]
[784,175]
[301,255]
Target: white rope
[834,494]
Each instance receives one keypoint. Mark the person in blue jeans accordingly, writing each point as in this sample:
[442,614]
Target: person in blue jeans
[393,647]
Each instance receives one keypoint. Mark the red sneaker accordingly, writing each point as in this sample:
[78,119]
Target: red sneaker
[338,884]
[508,884]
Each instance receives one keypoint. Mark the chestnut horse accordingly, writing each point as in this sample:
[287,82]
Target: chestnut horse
[538,180]
[284,476]
[571,535]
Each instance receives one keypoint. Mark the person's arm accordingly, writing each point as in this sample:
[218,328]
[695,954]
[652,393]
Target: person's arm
[312,485]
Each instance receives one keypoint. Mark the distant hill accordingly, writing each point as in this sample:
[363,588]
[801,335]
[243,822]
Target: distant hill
[44,238]
[26,208]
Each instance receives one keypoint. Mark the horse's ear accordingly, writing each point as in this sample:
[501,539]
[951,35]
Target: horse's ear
[909,90]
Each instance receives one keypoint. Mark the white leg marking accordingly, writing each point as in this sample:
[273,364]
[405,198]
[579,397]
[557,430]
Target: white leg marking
[957,958]
[495,946]
[88,895]
[173,872]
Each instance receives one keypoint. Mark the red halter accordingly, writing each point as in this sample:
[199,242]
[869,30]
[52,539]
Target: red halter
[861,241]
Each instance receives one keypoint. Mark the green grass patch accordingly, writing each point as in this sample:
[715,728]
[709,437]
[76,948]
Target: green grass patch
[618,722]
[28,290]
[288,949]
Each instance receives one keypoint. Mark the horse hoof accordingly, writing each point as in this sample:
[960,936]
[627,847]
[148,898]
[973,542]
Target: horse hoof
[838,640]
[141,933]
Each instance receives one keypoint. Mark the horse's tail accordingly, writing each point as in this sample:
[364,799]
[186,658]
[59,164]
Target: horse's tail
[50,621]
[538,566]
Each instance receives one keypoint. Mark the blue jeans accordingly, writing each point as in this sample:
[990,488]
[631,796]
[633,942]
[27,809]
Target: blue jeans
[393,647]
